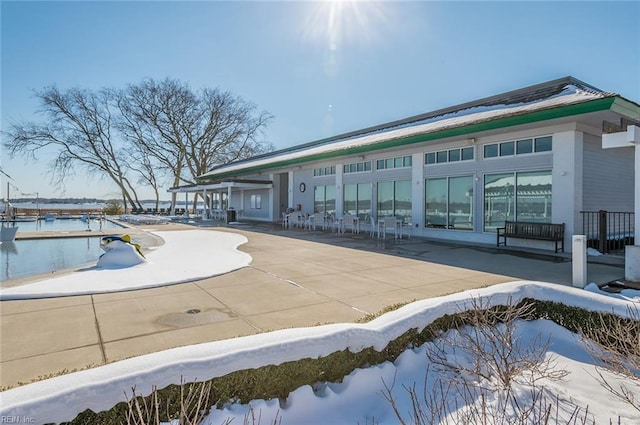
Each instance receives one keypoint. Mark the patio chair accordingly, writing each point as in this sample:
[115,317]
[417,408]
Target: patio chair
[349,220]
[317,219]
[389,223]
[374,226]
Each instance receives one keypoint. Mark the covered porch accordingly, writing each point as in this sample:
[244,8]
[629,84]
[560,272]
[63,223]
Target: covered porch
[222,197]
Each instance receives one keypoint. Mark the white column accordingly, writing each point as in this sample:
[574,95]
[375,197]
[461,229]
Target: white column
[417,190]
[579,261]
[632,253]
[567,178]
[637,187]
[186,205]
[205,212]
[290,190]
[339,191]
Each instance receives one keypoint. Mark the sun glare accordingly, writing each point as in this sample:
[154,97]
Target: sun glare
[339,23]
[336,25]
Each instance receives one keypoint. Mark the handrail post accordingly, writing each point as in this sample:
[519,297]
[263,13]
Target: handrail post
[602,231]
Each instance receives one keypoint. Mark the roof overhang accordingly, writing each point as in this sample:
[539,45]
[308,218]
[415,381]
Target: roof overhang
[222,185]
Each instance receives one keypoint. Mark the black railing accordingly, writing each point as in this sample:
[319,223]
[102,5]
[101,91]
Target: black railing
[608,232]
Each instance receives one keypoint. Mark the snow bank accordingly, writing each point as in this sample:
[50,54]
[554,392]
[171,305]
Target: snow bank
[61,398]
[187,255]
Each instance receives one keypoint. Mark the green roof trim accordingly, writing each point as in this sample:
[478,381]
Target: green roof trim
[509,121]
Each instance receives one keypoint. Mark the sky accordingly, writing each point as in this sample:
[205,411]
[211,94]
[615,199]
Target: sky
[320,68]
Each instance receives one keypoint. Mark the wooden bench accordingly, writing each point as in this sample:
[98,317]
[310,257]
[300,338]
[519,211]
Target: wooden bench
[527,230]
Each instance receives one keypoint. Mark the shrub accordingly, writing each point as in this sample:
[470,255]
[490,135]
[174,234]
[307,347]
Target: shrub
[113,207]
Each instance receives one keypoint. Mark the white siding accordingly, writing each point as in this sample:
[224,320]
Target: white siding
[608,177]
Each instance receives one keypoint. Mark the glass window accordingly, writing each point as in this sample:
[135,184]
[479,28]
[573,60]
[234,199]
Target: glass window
[506,148]
[330,199]
[367,166]
[449,203]
[467,154]
[490,151]
[454,155]
[524,146]
[543,144]
[380,164]
[441,156]
[350,198]
[345,168]
[318,199]
[436,203]
[385,199]
[397,162]
[388,163]
[394,199]
[256,202]
[430,158]
[408,161]
[533,196]
[402,200]
[499,202]
[324,199]
[460,206]
[360,167]
[364,201]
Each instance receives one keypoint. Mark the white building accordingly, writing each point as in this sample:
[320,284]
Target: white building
[533,154]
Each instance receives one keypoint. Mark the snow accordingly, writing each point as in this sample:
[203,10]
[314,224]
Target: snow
[358,399]
[571,95]
[119,254]
[186,256]
[593,252]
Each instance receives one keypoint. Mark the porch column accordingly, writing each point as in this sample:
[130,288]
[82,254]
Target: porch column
[186,205]
[339,191]
[228,197]
[205,212]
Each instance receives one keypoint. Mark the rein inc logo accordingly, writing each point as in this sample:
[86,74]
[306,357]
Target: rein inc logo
[15,419]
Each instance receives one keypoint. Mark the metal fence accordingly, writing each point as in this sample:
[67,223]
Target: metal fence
[608,232]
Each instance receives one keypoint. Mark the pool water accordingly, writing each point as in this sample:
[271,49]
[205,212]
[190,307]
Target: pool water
[64,224]
[30,257]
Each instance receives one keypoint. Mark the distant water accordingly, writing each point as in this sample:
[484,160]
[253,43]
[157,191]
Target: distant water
[91,206]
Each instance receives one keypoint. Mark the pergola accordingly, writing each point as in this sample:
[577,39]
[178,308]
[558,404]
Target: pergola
[221,187]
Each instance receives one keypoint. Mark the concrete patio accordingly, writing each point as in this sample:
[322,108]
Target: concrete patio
[297,278]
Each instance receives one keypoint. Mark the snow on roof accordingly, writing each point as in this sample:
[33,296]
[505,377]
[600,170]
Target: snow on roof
[484,110]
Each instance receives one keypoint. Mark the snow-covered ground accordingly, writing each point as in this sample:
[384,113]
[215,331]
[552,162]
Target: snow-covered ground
[358,399]
[186,255]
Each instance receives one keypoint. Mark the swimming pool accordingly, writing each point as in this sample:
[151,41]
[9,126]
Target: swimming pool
[30,257]
[65,224]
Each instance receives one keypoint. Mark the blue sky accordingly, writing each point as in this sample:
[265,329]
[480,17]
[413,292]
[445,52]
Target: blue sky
[376,63]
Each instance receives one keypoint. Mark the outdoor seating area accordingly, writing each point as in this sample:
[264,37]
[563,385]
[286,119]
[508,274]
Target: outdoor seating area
[144,219]
[348,222]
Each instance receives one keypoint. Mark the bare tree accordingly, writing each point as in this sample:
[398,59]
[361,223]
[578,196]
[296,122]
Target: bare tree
[79,128]
[141,134]
[614,345]
[188,133]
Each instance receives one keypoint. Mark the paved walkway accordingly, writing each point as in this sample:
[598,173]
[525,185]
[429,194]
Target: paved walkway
[297,278]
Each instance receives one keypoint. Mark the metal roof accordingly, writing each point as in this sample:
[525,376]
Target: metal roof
[539,93]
